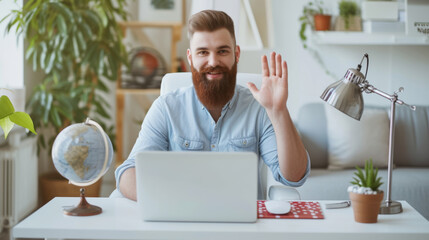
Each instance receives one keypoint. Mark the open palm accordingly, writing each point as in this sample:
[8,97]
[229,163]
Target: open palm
[273,93]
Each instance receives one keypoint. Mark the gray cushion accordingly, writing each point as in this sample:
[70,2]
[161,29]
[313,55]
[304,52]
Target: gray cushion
[312,126]
[412,137]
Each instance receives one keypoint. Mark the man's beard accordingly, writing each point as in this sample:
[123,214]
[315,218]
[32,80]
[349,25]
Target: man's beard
[217,92]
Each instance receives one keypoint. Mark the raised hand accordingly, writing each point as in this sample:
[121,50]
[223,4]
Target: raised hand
[273,93]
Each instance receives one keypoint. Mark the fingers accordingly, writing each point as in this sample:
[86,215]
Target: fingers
[264,62]
[253,89]
[285,71]
[278,65]
[273,63]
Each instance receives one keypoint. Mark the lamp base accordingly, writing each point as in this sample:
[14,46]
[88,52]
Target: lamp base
[390,207]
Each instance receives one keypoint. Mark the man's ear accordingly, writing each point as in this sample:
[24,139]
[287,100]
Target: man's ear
[189,56]
[237,53]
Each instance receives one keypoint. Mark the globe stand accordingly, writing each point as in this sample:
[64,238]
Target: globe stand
[84,208]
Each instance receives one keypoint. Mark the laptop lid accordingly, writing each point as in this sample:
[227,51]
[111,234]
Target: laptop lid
[197,186]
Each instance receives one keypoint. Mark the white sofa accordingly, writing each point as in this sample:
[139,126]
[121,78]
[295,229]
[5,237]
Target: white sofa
[410,178]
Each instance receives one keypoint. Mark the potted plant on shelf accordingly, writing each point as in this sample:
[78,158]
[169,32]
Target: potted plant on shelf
[365,194]
[349,19]
[78,46]
[315,16]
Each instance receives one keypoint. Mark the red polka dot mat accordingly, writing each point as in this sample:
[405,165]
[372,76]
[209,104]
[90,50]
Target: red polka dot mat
[298,210]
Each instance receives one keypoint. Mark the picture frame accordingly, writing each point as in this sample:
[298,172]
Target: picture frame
[162,11]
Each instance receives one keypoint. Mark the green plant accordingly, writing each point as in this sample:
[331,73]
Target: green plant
[307,18]
[8,117]
[78,45]
[367,178]
[347,9]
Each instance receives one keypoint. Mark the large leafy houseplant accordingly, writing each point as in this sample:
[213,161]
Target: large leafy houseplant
[78,46]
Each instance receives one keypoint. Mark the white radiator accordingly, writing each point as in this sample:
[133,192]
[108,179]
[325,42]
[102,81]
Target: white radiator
[18,178]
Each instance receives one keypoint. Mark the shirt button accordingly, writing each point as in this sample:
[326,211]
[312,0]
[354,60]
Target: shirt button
[245,142]
[213,145]
[186,144]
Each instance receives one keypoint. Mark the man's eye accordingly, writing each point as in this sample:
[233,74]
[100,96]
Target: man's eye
[202,53]
[223,52]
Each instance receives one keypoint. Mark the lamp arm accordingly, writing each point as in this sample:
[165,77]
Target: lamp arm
[366,87]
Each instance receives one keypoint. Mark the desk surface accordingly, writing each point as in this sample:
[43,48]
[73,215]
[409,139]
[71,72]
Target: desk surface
[120,220]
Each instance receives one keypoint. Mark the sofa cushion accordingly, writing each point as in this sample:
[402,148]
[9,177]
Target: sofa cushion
[412,136]
[311,125]
[351,142]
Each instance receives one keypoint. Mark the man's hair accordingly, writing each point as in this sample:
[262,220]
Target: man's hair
[209,21]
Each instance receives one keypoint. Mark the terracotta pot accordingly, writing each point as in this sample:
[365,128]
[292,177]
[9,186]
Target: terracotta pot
[322,22]
[366,207]
[54,185]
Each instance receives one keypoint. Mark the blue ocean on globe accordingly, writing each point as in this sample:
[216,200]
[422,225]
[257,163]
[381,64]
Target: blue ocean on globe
[78,153]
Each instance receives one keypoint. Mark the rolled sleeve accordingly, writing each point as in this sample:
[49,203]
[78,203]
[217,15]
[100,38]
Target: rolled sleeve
[286,182]
[129,163]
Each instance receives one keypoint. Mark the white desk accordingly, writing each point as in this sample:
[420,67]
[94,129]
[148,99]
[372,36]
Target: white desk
[120,220]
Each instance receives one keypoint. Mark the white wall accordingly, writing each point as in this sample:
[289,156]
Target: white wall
[390,66]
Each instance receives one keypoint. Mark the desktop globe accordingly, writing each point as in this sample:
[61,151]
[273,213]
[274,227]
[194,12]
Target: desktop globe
[82,153]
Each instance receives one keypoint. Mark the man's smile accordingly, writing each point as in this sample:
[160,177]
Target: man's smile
[214,75]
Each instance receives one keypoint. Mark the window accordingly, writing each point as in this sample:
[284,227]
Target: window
[11,51]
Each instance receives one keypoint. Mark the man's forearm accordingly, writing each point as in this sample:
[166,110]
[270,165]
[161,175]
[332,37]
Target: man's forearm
[290,149]
[127,184]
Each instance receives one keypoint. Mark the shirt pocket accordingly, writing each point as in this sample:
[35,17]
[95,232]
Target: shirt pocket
[246,144]
[189,145]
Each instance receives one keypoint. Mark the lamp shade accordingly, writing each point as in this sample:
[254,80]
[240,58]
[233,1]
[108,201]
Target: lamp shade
[346,94]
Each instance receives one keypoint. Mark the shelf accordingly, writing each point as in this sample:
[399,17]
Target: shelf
[147,94]
[360,38]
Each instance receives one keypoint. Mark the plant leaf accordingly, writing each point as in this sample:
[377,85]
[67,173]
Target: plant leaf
[7,125]
[62,26]
[6,107]
[55,117]
[24,120]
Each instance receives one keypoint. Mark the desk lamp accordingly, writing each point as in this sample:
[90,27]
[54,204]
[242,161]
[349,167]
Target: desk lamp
[346,96]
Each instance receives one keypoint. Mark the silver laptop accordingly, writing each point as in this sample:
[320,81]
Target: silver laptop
[197,186]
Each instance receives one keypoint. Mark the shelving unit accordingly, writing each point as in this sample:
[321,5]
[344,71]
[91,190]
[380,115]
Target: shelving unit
[360,38]
[176,34]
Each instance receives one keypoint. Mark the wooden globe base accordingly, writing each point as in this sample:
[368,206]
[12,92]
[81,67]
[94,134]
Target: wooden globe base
[84,208]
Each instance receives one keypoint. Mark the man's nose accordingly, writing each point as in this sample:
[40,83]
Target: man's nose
[213,60]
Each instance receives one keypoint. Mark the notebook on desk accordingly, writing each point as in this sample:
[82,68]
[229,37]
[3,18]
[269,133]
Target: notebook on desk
[197,186]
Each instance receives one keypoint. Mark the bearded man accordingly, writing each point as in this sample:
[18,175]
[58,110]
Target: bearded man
[214,113]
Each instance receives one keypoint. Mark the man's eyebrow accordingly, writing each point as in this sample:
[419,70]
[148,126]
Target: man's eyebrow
[220,47]
[224,46]
[202,48]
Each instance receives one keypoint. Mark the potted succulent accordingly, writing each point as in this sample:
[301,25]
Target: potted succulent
[349,19]
[365,194]
[315,16]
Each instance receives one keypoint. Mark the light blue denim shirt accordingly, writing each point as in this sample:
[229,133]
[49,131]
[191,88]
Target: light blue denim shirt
[178,121]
